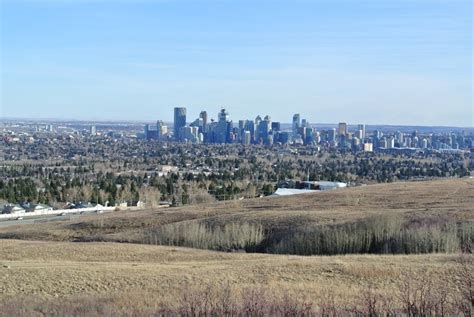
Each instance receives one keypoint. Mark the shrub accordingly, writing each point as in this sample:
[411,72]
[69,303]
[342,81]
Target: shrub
[232,236]
[380,235]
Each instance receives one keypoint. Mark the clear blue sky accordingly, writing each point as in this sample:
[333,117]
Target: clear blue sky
[386,62]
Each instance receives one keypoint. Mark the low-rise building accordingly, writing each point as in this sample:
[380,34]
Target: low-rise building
[12,209]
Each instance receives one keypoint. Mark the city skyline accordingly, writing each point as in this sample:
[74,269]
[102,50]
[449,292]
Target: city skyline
[392,62]
[265,131]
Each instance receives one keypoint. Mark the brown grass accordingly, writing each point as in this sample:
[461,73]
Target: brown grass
[144,276]
[111,279]
[450,199]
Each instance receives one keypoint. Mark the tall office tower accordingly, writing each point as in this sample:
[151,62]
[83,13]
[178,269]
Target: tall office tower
[147,130]
[263,129]
[159,129]
[407,142]
[164,130]
[256,136]
[179,121]
[332,135]
[342,128]
[378,134]
[391,143]
[361,127]
[399,137]
[424,143]
[203,116]
[221,130]
[269,120]
[296,123]
[250,126]
[223,116]
[304,123]
[241,130]
[247,137]
[93,130]
[356,143]
[309,135]
[317,136]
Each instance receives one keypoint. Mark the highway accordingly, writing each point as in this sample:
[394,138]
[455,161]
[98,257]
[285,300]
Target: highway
[44,219]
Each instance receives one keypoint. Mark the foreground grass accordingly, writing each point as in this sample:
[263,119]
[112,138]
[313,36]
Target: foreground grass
[145,279]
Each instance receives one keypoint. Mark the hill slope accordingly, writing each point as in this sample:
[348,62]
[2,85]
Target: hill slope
[79,278]
[440,208]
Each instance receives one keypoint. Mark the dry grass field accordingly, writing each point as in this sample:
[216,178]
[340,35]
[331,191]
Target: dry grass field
[48,270]
[142,277]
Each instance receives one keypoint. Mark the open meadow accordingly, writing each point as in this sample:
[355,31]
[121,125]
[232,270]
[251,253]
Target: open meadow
[402,248]
[96,279]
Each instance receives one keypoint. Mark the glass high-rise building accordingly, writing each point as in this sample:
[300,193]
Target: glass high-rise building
[296,123]
[332,135]
[342,128]
[203,116]
[361,127]
[179,121]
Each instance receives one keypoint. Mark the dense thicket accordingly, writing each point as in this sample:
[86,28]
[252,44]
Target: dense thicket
[376,235]
[232,236]
[381,235]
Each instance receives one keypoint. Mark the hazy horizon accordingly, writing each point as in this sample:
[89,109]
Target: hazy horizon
[168,122]
[373,62]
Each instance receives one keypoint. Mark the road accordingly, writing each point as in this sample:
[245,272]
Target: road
[43,219]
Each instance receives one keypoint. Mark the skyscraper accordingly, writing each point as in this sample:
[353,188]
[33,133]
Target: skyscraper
[296,123]
[155,132]
[258,119]
[342,128]
[361,127]
[179,121]
[332,135]
[247,138]
[263,128]
[221,130]
[250,126]
[203,116]
[159,129]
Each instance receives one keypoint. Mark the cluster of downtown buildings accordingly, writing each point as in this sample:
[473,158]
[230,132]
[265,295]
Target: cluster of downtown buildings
[258,131]
[267,132]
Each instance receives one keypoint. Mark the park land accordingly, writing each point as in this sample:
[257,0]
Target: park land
[46,272]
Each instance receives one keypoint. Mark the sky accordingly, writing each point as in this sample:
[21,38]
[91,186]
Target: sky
[406,62]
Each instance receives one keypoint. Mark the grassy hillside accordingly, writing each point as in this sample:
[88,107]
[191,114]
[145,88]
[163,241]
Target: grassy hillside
[411,217]
[110,279]
[59,277]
